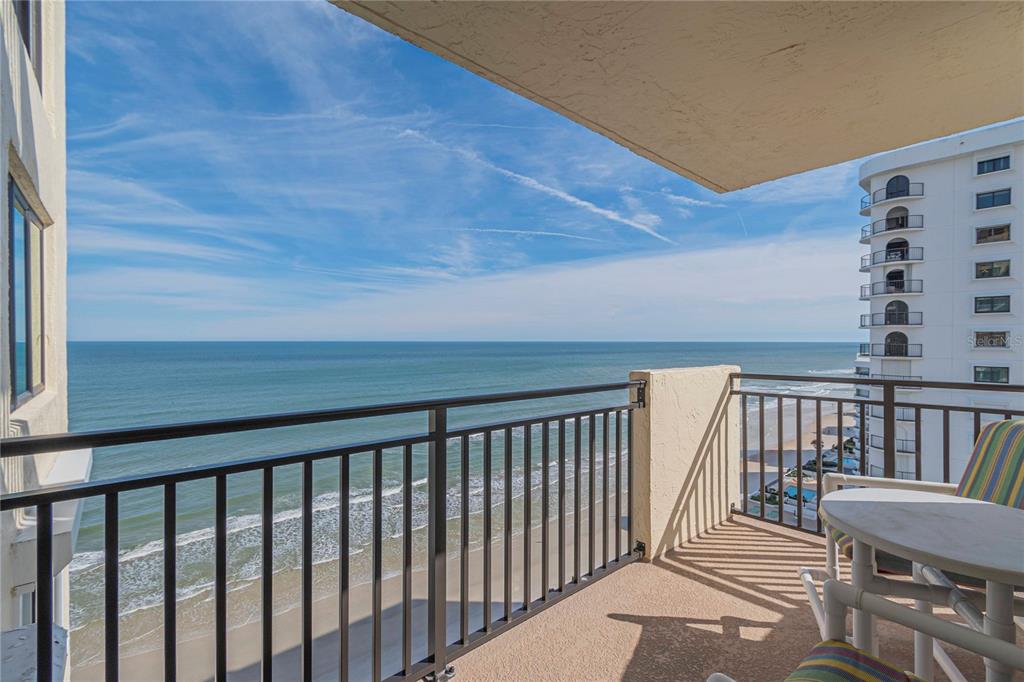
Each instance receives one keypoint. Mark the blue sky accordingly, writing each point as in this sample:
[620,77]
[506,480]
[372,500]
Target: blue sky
[287,171]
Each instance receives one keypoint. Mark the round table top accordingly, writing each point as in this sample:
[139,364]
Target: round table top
[958,534]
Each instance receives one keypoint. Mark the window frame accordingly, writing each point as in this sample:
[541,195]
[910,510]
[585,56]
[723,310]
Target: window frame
[1009,234]
[31,33]
[16,201]
[975,369]
[991,264]
[993,312]
[991,159]
[1005,334]
[993,192]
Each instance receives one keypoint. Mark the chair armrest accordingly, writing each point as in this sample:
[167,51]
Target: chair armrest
[832,480]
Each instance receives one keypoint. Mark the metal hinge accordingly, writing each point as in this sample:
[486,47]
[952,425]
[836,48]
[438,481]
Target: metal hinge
[640,549]
[447,674]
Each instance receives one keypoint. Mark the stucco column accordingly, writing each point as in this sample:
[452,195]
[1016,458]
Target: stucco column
[686,466]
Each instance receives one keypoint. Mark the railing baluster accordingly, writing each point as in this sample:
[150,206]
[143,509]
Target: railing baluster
[592,464]
[170,584]
[744,491]
[861,439]
[799,465]
[527,515]
[488,438]
[44,593]
[604,487]
[545,510]
[378,559]
[508,526]
[437,617]
[307,571]
[618,485]
[629,486]
[780,482]
[945,446]
[345,495]
[577,478]
[110,583]
[221,575]
[267,578]
[817,452]
[464,549]
[760,451]
[561,505]
[889,428]
[977,425]
[407,559]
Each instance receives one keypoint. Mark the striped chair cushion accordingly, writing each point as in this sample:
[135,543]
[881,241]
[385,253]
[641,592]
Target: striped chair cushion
[835,661]
[995,472]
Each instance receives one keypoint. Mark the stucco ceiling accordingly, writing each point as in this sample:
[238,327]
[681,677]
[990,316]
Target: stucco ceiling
[731,94]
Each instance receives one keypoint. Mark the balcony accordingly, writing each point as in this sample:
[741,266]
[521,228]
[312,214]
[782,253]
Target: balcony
[913,189]
[908,254]
[721,591]
[896,223]
[907,319]
[903,445]
[899,287]
[903,414]
[900,377]
[891,350]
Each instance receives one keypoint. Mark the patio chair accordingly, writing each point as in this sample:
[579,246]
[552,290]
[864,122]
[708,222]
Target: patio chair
[835,660]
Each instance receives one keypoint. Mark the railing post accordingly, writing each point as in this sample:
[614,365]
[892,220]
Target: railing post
[437,603]
[889,428]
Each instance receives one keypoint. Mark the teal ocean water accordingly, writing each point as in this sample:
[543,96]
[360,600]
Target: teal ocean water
[124,384]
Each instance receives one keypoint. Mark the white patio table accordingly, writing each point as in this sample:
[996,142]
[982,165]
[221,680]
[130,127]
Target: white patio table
[955,534]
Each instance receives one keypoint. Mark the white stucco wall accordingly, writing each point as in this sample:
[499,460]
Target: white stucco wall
[686,454]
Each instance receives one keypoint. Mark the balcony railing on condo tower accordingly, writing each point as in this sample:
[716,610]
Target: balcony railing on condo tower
[565,441]
[903,222]
[891,350]
[891,287]
[899,319]
[898,255]
[904,445]
[913,189]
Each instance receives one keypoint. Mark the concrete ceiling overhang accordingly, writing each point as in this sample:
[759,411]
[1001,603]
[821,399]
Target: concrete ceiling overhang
[731,94]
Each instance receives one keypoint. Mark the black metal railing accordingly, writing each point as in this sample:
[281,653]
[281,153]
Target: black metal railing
[889,287]
[903,222]
[891,350]
[891,319]
[568,441]
[790,440]
[912,189]
[902,254]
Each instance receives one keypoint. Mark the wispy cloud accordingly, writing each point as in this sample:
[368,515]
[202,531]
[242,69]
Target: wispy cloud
[531,233]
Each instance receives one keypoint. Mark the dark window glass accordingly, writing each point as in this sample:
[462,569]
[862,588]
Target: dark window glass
[992,375]
[1000,197]
[26,324]
[993,268]
[23,12]
[990,339]
[18,294]
[30,25]
[993,165]
[992,304]
[989,235]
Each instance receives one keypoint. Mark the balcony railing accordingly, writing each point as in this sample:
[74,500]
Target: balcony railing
[891,350]
[913,189]
[891,288]
[904,382]
[567,442]
[899,255]
[905,222]
[840,437]
[891,319]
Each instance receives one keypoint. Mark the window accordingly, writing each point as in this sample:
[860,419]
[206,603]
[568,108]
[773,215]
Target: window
[27,608]
[30,25]
[26,286]
[993,165]
[992,268]
[1000,197]
[992,304]
[990,339]
[991,235]
[992,375]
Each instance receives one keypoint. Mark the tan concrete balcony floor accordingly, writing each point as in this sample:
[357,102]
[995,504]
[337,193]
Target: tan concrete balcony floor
[729,601]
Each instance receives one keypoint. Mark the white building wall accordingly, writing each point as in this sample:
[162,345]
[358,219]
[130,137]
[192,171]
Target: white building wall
[947,168]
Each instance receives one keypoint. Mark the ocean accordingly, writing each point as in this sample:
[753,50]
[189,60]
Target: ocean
[118,384]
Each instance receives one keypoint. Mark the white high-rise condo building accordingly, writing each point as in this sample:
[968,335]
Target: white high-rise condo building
[945,235]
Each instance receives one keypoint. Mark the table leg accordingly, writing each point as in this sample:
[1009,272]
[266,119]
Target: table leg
[999,624]
[924,660]
[863,571]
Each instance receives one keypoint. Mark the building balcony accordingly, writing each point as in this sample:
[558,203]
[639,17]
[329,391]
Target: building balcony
[900,287]
[900,377]
[894,224]
[907,254]
[903,414]
[891,350]
[908,319]
[881,196]
[903,445]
